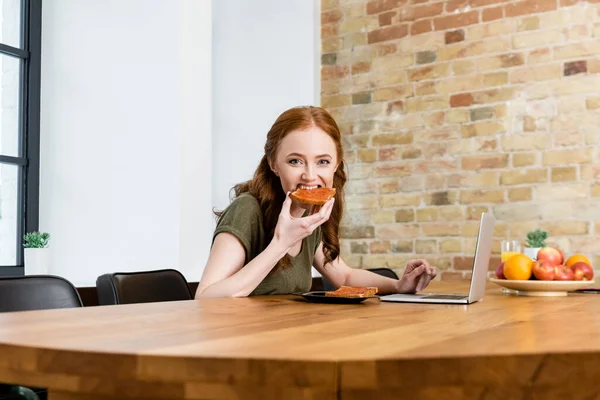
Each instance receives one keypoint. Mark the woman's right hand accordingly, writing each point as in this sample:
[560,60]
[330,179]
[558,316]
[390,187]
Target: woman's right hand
[290,230]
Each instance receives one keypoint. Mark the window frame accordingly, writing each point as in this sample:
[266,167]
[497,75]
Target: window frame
[29,126]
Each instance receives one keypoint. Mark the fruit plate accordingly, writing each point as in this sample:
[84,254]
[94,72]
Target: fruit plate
[541,288]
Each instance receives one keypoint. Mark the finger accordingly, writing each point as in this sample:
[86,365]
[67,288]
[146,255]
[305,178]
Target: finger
[323,214]
[421,261]
[434,272]
[428,276]
[422,283]
[287,204]
[425,282]
[416,273]
[329,206]
[412,279]
[412,264]
[312,219]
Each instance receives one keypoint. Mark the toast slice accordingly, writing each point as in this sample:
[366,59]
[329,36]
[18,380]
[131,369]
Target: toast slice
[317,197]
[353,291]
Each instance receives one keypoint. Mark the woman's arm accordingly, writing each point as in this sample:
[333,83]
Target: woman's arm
[340,274]
[417,275]
[224,276]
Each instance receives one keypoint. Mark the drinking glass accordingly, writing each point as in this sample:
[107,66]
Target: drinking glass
[509,248]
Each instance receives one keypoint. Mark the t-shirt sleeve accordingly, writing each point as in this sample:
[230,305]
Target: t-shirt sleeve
[243,219]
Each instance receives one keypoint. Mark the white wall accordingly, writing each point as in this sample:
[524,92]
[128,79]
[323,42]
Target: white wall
[128,181]
[125,135]
[266,59]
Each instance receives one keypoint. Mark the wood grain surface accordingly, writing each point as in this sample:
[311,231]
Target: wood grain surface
[282,347]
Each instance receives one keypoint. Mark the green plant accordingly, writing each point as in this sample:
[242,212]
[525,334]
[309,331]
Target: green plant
[537,238]
[36,240]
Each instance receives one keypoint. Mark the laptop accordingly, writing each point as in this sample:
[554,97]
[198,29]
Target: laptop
[481,262]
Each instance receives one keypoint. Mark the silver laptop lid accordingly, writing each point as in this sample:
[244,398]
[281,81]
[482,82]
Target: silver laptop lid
[481,261]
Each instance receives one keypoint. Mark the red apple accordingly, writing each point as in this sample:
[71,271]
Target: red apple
[550,254]
[562,256]
[543,270]
[563,273]
[500,271]
[582,271]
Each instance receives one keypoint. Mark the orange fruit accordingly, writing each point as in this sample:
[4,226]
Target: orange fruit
[518,267]
[575,258]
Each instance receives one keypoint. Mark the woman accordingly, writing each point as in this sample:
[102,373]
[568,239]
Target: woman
[265,243]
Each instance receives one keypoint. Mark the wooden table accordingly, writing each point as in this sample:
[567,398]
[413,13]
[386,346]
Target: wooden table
[276,347]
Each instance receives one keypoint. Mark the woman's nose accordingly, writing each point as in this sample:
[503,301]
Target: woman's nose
[308,173]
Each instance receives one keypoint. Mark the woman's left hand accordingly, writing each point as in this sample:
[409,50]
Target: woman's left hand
[417,275]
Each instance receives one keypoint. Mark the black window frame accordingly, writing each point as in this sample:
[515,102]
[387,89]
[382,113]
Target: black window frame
[29,126]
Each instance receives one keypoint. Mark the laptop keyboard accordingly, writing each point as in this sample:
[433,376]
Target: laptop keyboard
[446,296]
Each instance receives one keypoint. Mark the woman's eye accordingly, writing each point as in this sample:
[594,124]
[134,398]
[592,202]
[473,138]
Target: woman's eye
[294,161]
[324,162]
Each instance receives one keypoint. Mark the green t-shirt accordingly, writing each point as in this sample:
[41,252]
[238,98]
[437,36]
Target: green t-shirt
[243,219]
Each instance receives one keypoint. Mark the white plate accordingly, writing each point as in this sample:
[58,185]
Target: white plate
[541,288]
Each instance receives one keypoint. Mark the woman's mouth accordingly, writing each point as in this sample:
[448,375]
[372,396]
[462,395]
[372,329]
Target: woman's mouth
[305,187]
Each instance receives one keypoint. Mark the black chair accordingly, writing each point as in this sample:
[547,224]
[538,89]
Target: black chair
[328,286]
[11,392]
[28,293]
[37,292]
[142,287]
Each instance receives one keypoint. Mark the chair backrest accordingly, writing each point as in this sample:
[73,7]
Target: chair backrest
[142,287]
[328,286]
[37,292]
[385,272]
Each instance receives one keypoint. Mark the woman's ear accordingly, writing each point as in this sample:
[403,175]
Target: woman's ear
[273,168]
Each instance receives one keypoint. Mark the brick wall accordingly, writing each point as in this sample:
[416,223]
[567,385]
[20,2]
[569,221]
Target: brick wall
[451,108]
